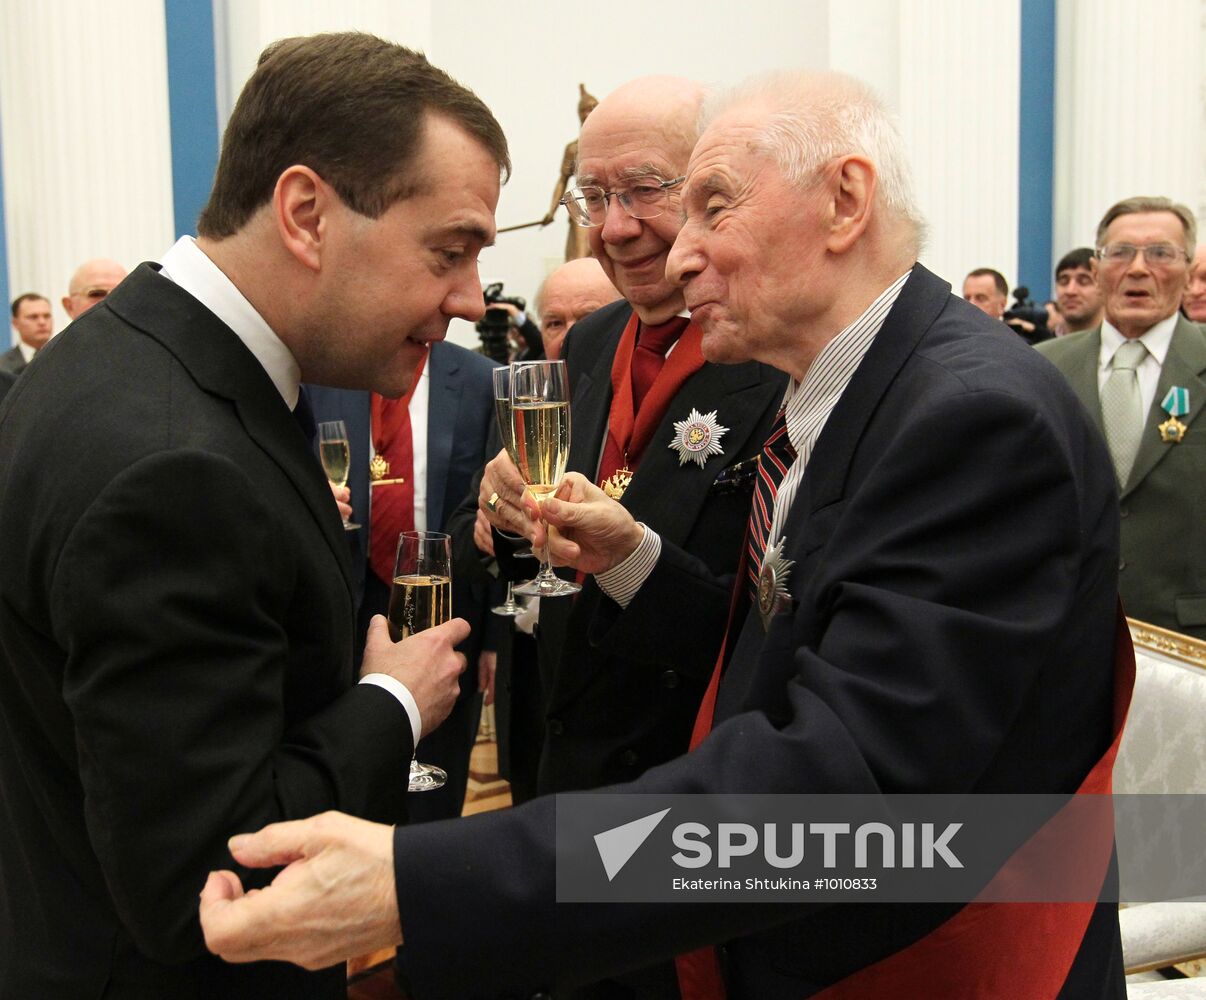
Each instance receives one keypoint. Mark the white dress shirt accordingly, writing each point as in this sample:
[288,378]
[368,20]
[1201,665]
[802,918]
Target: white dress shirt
[1156,340]
[187,265]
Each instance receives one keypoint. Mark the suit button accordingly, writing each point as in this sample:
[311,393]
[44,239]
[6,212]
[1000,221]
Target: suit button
[629,758]
[556,727]
[670,679]
[1124,511]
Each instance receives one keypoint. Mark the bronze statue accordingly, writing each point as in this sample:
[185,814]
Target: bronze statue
[575,241]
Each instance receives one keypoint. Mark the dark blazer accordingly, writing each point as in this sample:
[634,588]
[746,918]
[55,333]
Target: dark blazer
[613,711]
[175,652]
[1162,573]
[7,381]
[12,360]
[460,420]
[950,630]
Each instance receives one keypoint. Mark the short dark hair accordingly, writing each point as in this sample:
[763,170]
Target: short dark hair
[351,107]
[998,278]
[27,297]
[1075,260]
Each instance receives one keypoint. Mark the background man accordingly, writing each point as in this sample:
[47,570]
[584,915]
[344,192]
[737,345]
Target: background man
[987,290]
[32,321]
[1194,302]
[92,281]
[636,369]
[572,291]
[175,590]
[1076,290]
[950,628]
[1140,375]
[435,440]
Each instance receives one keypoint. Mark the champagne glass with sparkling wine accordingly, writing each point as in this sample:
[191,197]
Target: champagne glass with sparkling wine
[336,456]
[540,422]
[421,598]
[502,410]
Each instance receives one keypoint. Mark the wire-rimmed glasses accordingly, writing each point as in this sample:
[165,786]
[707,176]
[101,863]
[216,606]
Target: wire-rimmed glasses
[641,198]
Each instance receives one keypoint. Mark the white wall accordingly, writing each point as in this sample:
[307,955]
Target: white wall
[87,157]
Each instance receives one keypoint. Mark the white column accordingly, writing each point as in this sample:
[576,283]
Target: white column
[959,112]
[1129,109]
[87,158]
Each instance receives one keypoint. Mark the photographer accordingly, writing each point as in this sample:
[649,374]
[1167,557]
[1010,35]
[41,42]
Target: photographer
[988,291]
[506,332]
[1027,319]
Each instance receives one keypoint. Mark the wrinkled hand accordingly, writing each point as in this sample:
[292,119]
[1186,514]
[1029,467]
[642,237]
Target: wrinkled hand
[336,898]
[590,531]
[483,538]
[343,500]
[514,511]
[487,665]
[425,662]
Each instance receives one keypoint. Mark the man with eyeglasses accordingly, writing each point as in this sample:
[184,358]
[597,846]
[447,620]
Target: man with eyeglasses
[1140,373]
[93,280]
[640,386]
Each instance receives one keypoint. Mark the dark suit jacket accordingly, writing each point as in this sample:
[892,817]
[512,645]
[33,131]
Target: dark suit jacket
[12,360]
[175,652]
[613,711]
[951,630]
[7,381]
[1162,573]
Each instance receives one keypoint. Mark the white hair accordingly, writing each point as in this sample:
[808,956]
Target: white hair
[817,117]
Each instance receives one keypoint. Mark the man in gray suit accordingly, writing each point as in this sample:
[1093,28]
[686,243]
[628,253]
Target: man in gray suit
[1140,374]
[31,320]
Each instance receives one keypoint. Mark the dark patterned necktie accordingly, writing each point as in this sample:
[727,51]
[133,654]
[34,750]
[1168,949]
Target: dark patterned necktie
[776,458]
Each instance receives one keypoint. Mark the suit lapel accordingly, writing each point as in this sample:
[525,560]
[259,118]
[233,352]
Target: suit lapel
[1083,377]
[443,406]
[1183,366]
[221,364]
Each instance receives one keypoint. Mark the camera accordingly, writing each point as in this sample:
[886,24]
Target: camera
[493,327]
[1025,318]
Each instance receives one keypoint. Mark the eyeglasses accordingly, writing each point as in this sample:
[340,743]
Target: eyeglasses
[643,198]
[1156,254]
[95,294]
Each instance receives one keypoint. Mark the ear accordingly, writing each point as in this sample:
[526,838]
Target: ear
[852,188]
[301,203]
[66,301]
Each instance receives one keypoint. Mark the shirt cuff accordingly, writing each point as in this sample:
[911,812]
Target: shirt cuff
[402,693]
[623,580]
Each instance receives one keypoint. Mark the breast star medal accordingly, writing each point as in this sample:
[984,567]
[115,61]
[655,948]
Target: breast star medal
[615,484]
[773,595]
[697,438]
[1176,404]
[378,468]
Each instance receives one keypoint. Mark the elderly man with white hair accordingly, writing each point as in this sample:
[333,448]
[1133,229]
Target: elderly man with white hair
[929,608]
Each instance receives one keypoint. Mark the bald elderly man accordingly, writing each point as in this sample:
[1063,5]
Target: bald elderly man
[93,280]
[574,290]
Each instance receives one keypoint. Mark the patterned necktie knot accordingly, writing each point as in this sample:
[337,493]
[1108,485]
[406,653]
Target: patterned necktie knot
[1129,356]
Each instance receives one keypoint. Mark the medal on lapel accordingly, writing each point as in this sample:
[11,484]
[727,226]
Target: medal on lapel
[615,484]
[772,583]
[697,438]
[1175,404]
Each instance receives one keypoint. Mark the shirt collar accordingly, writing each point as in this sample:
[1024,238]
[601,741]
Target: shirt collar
[187,265]
[1156,340]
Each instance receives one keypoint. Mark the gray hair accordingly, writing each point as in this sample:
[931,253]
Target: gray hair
[817,117]
[1151,203]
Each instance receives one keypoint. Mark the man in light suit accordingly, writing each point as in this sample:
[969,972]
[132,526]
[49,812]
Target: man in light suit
[947,536]
[457,395]
[176,611]
[32,321]
[1144,249]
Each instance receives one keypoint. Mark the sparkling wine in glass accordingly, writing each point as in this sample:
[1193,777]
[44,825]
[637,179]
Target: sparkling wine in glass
[540,422]
[502,411]
[421,598]
[336,456]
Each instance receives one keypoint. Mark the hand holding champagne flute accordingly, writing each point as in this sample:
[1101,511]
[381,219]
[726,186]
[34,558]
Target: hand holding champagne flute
[540,421]
[421,598]
[336,456]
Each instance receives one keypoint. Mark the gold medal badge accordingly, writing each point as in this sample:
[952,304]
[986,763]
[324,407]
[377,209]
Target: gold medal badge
[378,468]
[615,485]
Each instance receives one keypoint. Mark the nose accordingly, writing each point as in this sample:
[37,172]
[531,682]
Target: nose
[685,259]
[1139,264]
[618,225]
[464,299]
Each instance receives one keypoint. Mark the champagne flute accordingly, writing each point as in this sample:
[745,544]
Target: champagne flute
[336,456]
[421,598]
[502,411]
[540,421]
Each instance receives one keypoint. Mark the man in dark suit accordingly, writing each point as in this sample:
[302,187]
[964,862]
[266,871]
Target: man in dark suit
[7,381]
[1149,407]
[454,394]
[935,531]
[611,713]
[32,322]
[176,613]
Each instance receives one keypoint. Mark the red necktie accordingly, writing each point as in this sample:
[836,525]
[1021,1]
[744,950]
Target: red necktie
[652,344]
[392,500]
